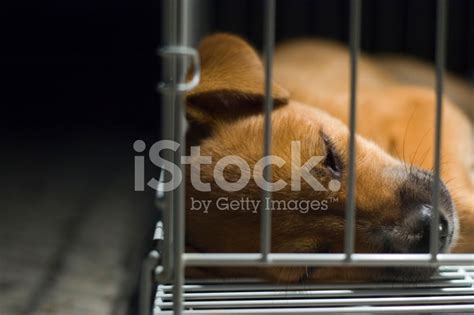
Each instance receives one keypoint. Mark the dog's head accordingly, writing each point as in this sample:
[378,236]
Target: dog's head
[310,170]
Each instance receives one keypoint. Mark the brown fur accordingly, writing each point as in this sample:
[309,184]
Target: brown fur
[397,119]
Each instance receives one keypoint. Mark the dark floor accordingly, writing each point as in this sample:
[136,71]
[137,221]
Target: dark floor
[72,229]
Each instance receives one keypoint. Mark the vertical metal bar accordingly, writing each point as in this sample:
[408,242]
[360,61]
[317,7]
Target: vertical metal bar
[146,282]
[441,22]
[269,43]
[179,219]
[354,33]
[167,121]
[180,136]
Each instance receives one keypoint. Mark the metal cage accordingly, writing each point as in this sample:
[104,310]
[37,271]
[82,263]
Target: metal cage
[163,271]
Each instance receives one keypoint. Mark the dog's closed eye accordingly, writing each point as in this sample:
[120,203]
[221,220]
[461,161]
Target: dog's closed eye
[332,161]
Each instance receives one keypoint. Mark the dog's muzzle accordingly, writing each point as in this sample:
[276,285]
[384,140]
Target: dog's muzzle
[412,233]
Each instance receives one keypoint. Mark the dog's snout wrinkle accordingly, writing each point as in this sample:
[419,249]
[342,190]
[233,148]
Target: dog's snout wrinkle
[417,189]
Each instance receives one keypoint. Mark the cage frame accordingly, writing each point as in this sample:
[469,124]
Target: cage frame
[167,262]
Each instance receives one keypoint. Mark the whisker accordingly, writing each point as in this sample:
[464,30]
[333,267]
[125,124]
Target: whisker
[419,144]
[405,134]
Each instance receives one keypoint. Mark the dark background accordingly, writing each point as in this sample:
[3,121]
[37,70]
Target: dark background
[71,66]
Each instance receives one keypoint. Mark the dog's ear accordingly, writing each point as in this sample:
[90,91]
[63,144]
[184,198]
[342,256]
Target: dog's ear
[232,81]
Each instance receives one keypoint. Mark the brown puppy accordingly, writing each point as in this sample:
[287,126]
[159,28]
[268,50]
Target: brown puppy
[392,198]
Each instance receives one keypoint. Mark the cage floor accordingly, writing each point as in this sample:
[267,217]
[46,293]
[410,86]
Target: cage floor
[451,291]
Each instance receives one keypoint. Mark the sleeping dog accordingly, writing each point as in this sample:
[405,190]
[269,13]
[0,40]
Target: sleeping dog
[394,159]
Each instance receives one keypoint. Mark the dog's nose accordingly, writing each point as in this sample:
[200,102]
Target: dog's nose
[411,232]
[419,224]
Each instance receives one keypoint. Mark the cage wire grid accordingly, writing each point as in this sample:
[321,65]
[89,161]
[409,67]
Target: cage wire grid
[451,290]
